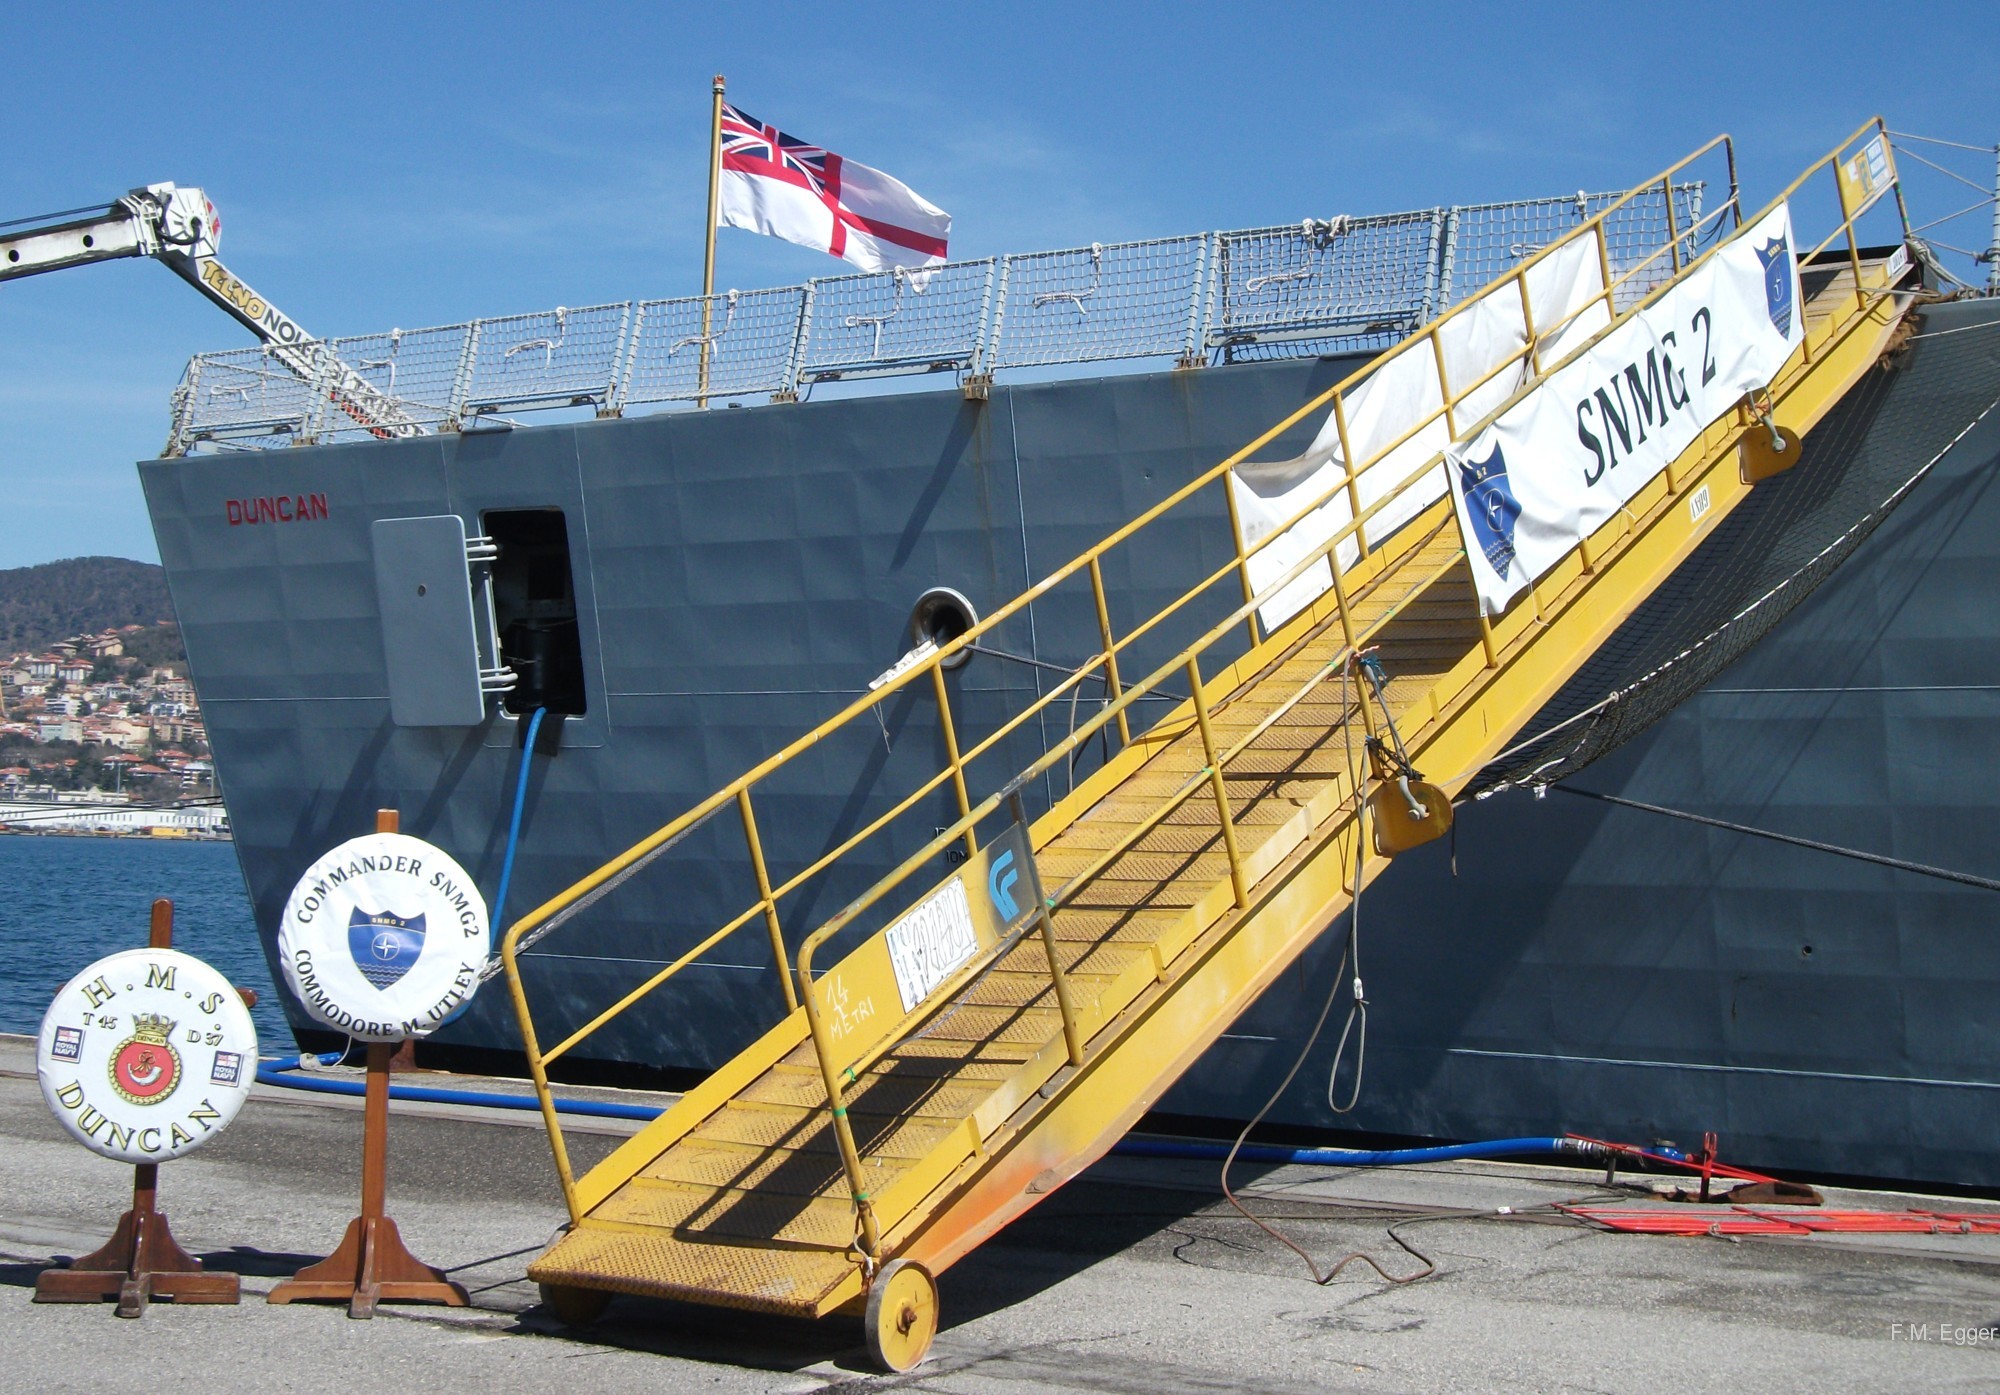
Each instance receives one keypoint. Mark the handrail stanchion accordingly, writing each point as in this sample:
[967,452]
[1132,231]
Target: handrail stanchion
[539,1072]
[868,1233]
[1444,387]
[1604,268]
[1486,634]
[771,924]
[951,754]
[1673,227]
[1072,1033]
[1242,560]
[1215,779]
[1111,685]
[1353,475]
[1340,597]
[1528,321]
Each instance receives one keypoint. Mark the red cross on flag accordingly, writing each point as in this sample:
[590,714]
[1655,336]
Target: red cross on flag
[775,184]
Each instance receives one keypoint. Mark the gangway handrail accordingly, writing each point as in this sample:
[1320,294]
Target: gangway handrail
[1369,565]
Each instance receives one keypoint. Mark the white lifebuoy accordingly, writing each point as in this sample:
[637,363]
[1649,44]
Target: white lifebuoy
[146,1055]
[384,938]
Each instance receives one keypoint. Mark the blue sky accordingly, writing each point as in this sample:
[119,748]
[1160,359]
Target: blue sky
[381,165]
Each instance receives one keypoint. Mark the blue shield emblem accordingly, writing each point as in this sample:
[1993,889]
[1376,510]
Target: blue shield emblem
[1491,506]
[385,947]
[1777,260]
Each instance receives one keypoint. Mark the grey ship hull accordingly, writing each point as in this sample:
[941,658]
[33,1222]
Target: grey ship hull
[740,575]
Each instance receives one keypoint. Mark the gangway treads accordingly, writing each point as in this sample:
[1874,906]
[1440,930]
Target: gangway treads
[763,1170]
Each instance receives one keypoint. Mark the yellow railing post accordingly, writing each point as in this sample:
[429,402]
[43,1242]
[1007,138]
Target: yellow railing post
[1853,246]
[1673,226]
[1221,787]
[1486,634]
[1242,559]
[565,1177]
[1604,269]
[951,752]
[764,894]
[1111,687]
[1528,320]
[868,1232]
[1353,479]
[1072,1033]
[1444,386]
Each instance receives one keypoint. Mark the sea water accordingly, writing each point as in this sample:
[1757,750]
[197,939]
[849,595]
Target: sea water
[66,902]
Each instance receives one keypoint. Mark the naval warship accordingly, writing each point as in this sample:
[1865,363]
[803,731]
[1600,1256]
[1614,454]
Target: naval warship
[686,531]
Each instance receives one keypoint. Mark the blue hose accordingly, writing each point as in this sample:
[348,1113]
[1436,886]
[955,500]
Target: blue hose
[1351,1157]
[279,1072]
[514,823]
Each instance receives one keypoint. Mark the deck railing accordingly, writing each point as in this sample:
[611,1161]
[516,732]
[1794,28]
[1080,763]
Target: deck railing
[1318,286]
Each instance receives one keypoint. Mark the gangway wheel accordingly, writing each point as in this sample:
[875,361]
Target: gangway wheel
[902,1315]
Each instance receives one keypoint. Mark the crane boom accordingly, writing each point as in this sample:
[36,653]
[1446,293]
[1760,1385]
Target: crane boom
[180,227]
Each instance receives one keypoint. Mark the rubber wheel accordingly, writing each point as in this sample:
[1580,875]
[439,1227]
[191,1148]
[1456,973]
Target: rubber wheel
[573,1306]
[902,1315]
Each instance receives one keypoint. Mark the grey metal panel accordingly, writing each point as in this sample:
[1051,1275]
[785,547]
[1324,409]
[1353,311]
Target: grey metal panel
[423,588]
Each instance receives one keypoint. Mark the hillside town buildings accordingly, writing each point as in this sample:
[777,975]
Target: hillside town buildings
[83,718]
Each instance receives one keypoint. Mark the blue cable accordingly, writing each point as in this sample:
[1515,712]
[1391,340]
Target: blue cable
[279,1072]
[1353,1157]
[514,823]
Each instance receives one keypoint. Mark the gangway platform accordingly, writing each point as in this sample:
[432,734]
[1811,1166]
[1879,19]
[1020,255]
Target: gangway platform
[1004,1027]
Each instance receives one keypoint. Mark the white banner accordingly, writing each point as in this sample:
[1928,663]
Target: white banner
[1563,460]
[1401,392]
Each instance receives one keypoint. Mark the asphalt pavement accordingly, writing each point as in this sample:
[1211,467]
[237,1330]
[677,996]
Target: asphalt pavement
[1135,1277]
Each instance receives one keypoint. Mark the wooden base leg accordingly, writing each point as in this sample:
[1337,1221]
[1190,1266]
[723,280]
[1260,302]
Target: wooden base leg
[371,1266]
[142,1262]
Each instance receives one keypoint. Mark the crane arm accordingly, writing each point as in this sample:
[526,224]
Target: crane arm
[180,227]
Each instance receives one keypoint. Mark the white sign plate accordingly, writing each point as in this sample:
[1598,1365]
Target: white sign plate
[146,1055]
[383,938]
[935,938]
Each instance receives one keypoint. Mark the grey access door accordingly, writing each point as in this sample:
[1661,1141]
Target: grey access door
[430,639]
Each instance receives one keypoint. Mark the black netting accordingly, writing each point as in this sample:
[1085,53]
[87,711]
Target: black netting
[1770,553]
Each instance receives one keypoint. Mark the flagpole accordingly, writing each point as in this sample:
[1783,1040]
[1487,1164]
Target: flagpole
[708,256]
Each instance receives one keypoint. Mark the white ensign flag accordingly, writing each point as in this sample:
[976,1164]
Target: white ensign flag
[778,185]
[1558,464]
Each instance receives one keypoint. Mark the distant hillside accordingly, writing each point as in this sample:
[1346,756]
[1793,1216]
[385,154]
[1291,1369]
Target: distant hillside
[40,605]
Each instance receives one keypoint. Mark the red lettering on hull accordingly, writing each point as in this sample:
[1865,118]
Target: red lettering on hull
[276,508]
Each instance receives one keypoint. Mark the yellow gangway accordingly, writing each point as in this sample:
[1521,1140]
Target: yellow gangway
[1004,1027]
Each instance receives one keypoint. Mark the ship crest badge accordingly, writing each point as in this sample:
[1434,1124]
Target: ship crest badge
[1776,255]
[384,946]
[145,1068]
[1492,507]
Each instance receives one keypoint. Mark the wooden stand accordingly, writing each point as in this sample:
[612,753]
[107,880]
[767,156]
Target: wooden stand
[141,1262]
[371,1265]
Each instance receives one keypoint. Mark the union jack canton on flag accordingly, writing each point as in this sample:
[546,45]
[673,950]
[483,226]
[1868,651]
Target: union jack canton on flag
[779,185]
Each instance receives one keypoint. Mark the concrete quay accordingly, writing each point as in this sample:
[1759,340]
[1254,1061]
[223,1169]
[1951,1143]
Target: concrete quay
[1136,1277]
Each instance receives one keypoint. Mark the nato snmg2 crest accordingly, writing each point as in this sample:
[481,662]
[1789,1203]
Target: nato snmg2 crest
[1776,255]
[1492,507]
